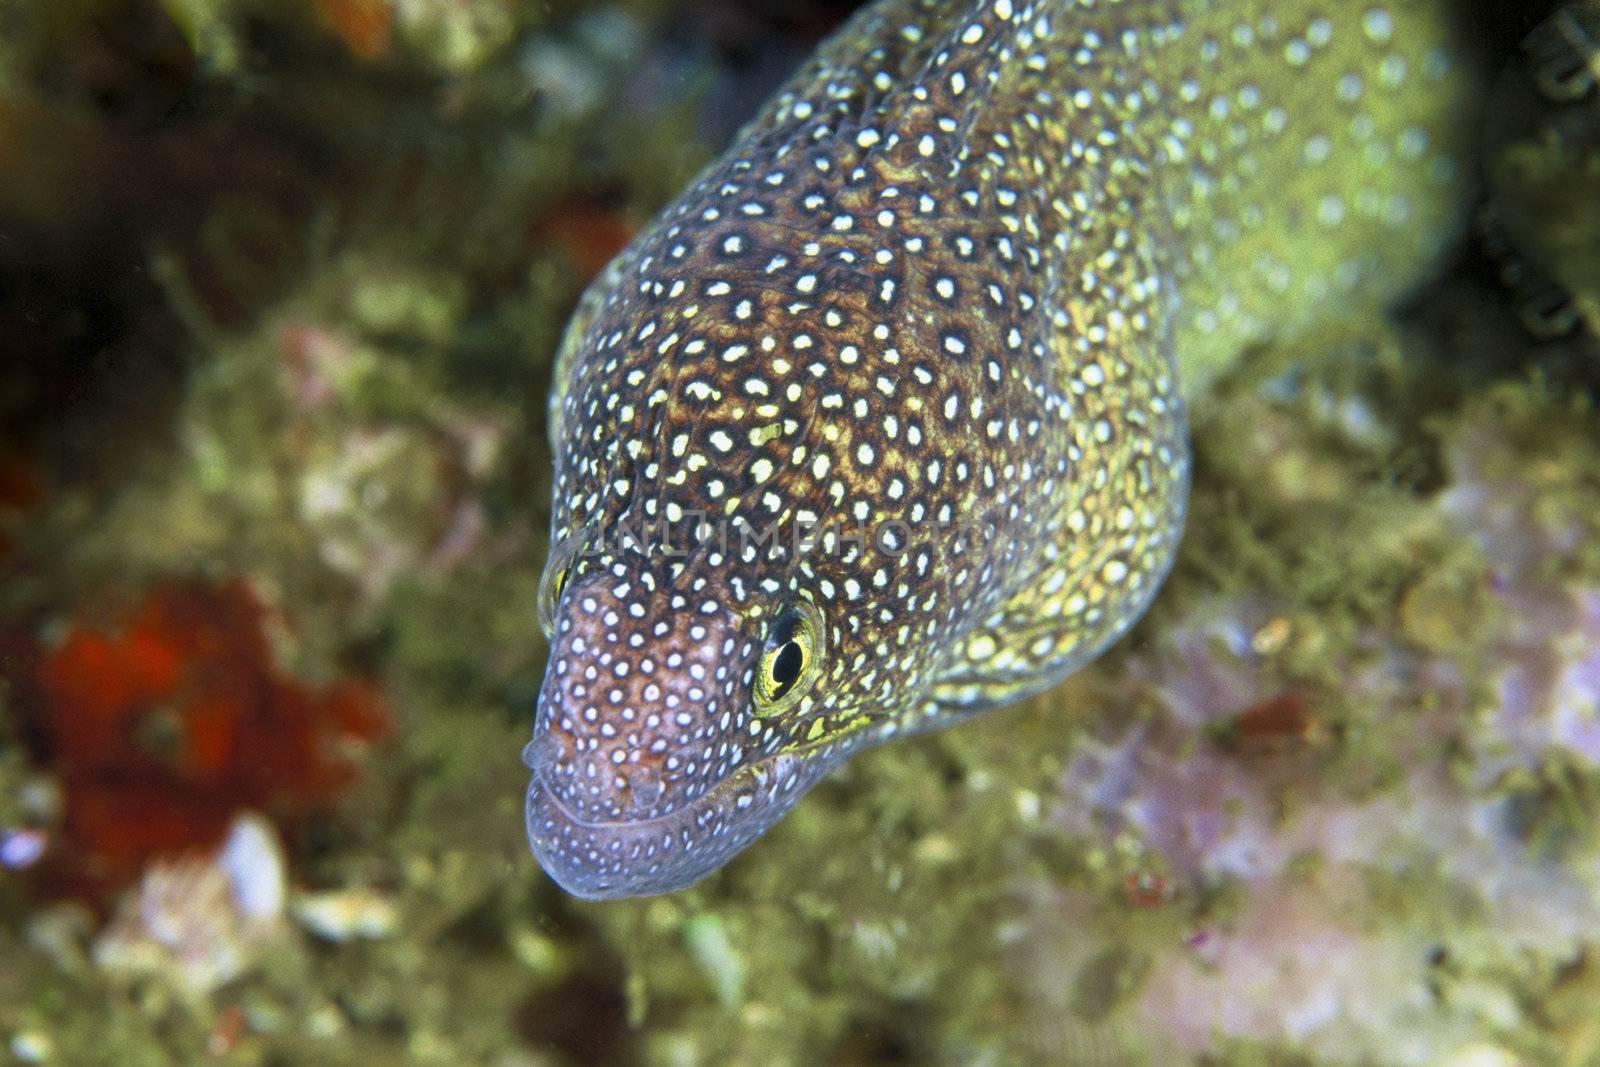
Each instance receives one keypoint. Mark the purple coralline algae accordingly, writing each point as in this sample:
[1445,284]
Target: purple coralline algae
[1333,897]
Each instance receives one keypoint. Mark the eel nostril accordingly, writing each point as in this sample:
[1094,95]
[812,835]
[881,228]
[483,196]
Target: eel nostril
[544,754]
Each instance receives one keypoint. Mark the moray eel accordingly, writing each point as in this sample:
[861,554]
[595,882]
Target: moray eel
[879,424]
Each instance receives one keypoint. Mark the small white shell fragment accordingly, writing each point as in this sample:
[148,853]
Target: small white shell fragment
[345,914]
[253,863]
[32,1046]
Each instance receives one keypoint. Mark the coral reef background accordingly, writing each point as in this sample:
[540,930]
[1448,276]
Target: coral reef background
[279,287]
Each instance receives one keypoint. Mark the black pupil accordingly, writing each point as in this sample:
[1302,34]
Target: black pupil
[786,667]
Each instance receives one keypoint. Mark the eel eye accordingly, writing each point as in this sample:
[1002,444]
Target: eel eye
[792,652]
[551,586]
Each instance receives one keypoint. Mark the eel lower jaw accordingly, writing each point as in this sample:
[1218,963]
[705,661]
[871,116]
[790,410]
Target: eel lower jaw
[613,860]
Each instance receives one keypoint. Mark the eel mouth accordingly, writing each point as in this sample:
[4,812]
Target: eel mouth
[608,860]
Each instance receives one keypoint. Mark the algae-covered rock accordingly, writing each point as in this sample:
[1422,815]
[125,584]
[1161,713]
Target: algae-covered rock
[1543,168]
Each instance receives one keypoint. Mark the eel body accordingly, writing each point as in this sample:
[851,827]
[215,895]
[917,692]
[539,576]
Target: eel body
[880,423]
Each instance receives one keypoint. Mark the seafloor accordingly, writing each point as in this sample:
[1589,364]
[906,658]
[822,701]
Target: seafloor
[279,285]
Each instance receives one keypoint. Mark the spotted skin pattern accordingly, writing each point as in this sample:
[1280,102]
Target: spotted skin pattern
[900,372]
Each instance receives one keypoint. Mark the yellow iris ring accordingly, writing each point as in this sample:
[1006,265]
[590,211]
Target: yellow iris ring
[551,585]
[790,660]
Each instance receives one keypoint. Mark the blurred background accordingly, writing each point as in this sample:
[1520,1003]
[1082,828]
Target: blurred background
[280,283]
